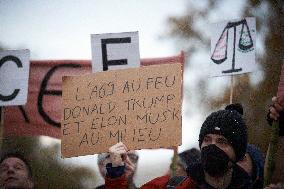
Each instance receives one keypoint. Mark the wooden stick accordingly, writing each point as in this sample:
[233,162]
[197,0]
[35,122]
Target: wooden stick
[232,89]
[174,162]
[271,153]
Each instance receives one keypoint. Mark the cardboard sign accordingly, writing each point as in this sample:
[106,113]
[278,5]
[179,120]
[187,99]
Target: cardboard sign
[42,113]
[233,47]
[140,107]
[14,76]
[113,51]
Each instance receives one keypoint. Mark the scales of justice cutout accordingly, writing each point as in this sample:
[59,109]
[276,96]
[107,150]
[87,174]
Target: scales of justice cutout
[245,44]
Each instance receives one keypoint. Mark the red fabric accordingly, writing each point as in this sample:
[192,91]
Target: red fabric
[157,183]
[116,183]
[42,113]
[280,91]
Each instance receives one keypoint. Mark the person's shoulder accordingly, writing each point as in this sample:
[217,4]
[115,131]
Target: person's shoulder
[100,187]
[195,172]
[161,182]
[240,178]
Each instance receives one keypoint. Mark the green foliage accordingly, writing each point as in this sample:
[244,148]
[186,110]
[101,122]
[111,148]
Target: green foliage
[271,154]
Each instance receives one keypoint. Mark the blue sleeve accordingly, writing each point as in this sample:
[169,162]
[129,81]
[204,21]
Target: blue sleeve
[114,172]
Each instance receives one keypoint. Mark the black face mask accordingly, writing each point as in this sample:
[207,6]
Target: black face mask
[214,160]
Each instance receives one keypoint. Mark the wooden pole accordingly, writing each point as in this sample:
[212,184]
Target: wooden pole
[269,165]
[232,89]
[174,162]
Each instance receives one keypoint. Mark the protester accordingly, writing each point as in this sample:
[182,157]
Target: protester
[253,161]
[184,159]
[104,159]
[223,142]
[253,164]
[15,172]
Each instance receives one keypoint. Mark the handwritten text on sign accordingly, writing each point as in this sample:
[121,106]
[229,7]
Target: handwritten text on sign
[139,106]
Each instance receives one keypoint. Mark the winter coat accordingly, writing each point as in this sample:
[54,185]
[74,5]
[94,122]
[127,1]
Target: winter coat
[157,183]
[240,180]
[103,187]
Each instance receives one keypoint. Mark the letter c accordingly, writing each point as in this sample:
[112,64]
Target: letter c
[20,65]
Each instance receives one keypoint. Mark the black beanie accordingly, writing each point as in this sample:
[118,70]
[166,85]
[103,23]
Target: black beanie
[237,106]
[230,124]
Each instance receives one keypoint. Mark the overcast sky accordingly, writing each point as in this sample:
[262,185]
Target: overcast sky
[61,29]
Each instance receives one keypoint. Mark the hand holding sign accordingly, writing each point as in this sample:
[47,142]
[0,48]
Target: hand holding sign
[118,154]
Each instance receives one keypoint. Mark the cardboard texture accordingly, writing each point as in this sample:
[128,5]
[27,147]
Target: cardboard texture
[42,113]
[139,106]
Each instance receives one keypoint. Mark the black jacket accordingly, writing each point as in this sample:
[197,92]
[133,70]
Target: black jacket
[240,179]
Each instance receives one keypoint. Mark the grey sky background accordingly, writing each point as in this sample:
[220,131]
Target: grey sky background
[61,29]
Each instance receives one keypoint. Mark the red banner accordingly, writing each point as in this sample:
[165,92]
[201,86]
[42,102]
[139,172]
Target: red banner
[42,113]
[280,91]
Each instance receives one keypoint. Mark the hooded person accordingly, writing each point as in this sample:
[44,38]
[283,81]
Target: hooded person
[222,141]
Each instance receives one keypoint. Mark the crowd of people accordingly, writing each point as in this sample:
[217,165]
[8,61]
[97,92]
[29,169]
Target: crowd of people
[225,159]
